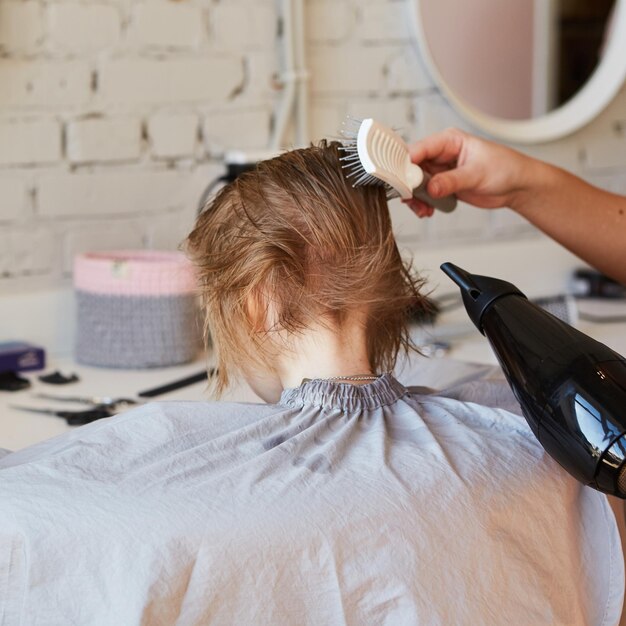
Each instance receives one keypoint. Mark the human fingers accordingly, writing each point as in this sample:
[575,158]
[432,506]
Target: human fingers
[442,147]
[451,182]
[434,168]
[421,209]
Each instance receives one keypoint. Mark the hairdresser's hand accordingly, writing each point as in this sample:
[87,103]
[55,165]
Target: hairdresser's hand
[480,172]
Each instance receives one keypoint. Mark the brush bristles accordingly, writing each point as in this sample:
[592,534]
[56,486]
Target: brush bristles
[367,179]
[351,158]
[354,169]
[352,162]
[355,172]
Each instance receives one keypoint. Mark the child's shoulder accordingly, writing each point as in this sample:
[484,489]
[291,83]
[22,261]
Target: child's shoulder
[479,405]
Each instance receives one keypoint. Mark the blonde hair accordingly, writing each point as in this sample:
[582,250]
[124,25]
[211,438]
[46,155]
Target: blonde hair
[294,238]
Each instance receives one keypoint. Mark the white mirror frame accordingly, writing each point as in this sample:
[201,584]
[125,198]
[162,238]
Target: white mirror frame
[592,98]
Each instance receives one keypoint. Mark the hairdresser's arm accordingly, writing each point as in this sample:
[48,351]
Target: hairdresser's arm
[588,221]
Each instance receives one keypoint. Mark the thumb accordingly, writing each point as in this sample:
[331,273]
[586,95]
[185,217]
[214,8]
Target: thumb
[448,183]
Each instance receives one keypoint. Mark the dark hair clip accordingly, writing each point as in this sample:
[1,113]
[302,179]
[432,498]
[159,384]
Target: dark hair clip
[57,378]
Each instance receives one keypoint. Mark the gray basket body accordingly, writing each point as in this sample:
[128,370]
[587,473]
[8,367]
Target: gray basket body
[124,331]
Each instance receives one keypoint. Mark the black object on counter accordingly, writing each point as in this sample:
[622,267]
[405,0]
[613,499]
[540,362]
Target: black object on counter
[57,378]
[177,384]
[590,283]
[73,418]
[571,388]
[10,381]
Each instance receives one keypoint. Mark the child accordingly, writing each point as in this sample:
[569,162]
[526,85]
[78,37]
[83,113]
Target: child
[348,499]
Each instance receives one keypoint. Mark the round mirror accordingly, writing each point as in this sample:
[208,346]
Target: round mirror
[525,70]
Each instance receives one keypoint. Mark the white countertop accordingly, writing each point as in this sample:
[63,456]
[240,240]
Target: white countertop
[19,429]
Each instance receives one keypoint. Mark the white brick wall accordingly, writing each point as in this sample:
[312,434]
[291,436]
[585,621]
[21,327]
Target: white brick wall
[101,236]
[567,153]
[328,115]
[243,25]
[354,69]
[250,128]
[329,21]
[114,115]
[173,135]
[34,141]
[609,153]
[156,81]
[406,73]
[33,250]
[6,263]
[104,139]
[261,69]
[12,199]
[41,84]
[80,28]
[105,193]
[384,21]
[161,24]
[392,112]
[21,26]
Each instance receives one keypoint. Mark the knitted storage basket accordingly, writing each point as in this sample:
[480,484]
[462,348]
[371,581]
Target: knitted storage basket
[136,309]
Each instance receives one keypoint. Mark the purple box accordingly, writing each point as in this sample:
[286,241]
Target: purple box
[19,356]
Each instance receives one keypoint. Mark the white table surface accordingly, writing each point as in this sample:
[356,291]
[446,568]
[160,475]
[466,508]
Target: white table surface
[19,429]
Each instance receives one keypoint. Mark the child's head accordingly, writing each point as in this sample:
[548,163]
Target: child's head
[292,245]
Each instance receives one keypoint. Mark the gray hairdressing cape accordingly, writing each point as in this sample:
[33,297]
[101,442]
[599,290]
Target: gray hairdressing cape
[339,505]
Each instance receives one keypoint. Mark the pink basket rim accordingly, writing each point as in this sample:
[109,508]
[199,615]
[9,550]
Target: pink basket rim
[134,272]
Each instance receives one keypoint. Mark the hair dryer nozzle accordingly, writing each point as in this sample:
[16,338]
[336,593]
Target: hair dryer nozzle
[478,292]
[462,278]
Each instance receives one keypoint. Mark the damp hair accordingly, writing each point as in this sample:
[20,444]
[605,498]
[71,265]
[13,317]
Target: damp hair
[291,244]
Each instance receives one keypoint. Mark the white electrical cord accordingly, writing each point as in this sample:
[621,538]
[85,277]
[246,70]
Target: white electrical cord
[293,77]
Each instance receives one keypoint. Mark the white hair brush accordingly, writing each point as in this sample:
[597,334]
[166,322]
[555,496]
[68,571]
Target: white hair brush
[377,155]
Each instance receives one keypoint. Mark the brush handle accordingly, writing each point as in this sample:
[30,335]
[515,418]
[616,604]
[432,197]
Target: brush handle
[447,204]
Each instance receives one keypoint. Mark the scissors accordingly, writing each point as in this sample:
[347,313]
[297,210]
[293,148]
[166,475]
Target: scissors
[73,418]
[105,402]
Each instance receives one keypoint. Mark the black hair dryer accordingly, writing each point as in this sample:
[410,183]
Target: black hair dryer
[572,389]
